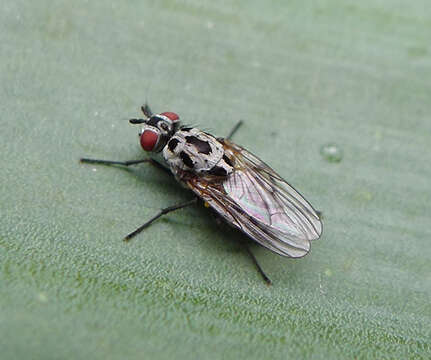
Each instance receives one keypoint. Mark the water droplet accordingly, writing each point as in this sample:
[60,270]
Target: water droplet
[255,64]
[328,272]
[332,152]
[42,297]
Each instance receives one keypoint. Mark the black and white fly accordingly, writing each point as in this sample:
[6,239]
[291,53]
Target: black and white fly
[240,187]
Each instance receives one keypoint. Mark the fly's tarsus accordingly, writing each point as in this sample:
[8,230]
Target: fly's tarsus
[110,162]
[125,163]
[162,212]
[256,263]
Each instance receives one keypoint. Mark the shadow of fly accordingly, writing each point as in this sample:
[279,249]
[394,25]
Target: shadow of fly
[243,190]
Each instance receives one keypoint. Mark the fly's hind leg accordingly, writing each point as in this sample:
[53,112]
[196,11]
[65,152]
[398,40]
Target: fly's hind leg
[258,267]
[219,220]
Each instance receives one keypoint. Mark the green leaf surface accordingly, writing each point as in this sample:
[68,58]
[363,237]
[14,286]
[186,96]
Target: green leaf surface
[302,75]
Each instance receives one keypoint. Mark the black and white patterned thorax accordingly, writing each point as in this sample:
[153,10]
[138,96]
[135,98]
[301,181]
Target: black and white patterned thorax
[194,151]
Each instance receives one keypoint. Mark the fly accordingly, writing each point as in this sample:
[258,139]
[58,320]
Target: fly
[240,187]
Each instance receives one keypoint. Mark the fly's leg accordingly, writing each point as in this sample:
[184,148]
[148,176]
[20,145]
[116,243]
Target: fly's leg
[235,128]
[125,163]
[159,214]
[110,162]
[259,269]
[268,281]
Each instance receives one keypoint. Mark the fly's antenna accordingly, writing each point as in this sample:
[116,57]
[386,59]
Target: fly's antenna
[146,110]
[137,121]
[147,114]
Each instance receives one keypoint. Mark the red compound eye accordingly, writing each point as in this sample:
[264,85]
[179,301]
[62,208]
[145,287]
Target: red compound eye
[172,116]
[149,140]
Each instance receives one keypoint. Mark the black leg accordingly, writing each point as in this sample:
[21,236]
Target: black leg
[125,163]
[109,162]
[259,269]
[235,128]
[159,214]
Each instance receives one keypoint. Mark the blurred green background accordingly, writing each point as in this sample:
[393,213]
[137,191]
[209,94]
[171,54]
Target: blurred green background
[301,75]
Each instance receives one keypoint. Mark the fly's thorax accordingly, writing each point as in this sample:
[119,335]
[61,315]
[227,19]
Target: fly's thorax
[194,151]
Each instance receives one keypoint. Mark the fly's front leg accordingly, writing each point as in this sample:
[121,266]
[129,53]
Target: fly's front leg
[159,214]
[125,163]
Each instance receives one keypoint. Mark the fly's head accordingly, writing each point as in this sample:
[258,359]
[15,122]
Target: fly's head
[157,129]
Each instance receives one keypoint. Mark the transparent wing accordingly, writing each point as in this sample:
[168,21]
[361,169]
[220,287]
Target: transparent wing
[261,204]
